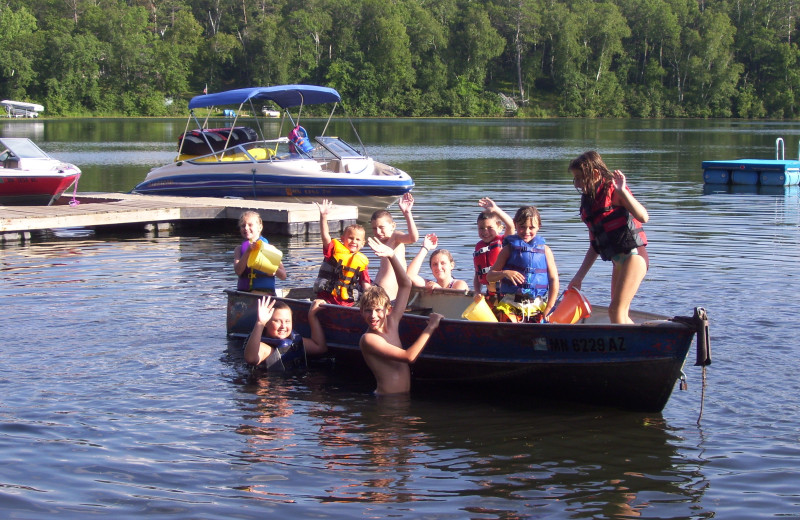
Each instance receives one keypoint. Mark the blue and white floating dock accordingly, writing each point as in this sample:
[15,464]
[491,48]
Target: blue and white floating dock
[763,172]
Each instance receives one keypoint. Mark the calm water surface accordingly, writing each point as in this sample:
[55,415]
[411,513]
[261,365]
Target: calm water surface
[121,396]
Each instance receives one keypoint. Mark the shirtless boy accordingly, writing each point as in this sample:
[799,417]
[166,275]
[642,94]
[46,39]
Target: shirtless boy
[384,229]
[380,345]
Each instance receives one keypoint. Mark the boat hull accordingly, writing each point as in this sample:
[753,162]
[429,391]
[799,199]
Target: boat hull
[30,177]
[299,181]
[626,366]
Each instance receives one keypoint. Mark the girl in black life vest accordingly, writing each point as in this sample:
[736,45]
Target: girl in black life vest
[614,218]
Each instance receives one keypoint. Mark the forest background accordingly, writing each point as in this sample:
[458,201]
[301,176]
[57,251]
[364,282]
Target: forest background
[586,58]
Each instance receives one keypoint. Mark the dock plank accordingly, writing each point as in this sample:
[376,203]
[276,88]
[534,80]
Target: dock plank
[109,209]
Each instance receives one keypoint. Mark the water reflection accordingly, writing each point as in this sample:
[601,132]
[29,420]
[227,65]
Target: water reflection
[586,463]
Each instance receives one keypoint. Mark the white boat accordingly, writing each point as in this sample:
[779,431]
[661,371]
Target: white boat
[239,161]
[21,108]
[30,177]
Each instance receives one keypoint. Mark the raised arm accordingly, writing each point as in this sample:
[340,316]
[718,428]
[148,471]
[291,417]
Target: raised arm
[491,206]
[403,280]
[255,351]
[324,231]
[623,197]
[406,203]
[429,244]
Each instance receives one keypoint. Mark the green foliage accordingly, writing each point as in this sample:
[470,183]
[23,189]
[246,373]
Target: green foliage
[584,58]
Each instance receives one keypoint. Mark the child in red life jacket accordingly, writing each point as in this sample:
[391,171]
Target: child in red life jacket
[251,226]
[614,218]
[343,275]
[526,270]
[275,344]
[490,222]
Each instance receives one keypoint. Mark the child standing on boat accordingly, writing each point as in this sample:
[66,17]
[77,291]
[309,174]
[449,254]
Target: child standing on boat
[614,218]
[274,343]
[490,221]
[343,275]
[380,345]
[385,230]
[526,271]
[250,279]
[442,265]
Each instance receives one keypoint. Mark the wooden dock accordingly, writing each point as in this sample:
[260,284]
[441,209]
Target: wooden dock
[98,210]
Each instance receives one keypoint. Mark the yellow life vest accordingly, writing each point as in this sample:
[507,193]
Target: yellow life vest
[340,274]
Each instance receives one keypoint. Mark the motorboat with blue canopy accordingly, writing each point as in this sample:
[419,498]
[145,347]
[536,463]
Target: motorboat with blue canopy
[285,96]
[237,159]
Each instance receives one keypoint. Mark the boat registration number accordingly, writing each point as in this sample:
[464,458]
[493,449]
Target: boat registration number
[610,344]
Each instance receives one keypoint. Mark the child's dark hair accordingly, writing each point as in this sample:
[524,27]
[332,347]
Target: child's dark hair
[526,213]
[486,215]
[447,254]
[279,305]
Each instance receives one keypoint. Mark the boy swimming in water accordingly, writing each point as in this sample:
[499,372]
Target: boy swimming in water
[380,345]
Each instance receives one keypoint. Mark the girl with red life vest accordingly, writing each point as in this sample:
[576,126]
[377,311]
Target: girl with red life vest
[250,279]
[442,265]
[614,218]
[490,223]
[526,270]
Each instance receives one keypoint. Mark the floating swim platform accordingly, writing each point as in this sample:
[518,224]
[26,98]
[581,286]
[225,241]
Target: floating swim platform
[754,172]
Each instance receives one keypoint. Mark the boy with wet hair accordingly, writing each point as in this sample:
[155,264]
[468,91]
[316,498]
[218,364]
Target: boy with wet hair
[381,345]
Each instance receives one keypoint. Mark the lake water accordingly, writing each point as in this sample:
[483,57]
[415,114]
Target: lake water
[121,396]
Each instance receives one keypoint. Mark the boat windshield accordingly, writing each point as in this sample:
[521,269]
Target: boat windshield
[339,148]
[23,148]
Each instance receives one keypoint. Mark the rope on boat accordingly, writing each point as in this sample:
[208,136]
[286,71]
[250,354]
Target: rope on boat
[700,323]
[74,202]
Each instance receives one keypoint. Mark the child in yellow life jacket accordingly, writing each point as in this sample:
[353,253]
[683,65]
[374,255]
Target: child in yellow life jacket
[250,278]
[343,275]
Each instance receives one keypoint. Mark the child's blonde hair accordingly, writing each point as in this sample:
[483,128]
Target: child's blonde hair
[354,227]
[250,213]
[526,213]
[374,298]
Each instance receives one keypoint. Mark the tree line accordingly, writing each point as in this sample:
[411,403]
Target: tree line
[584,58]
